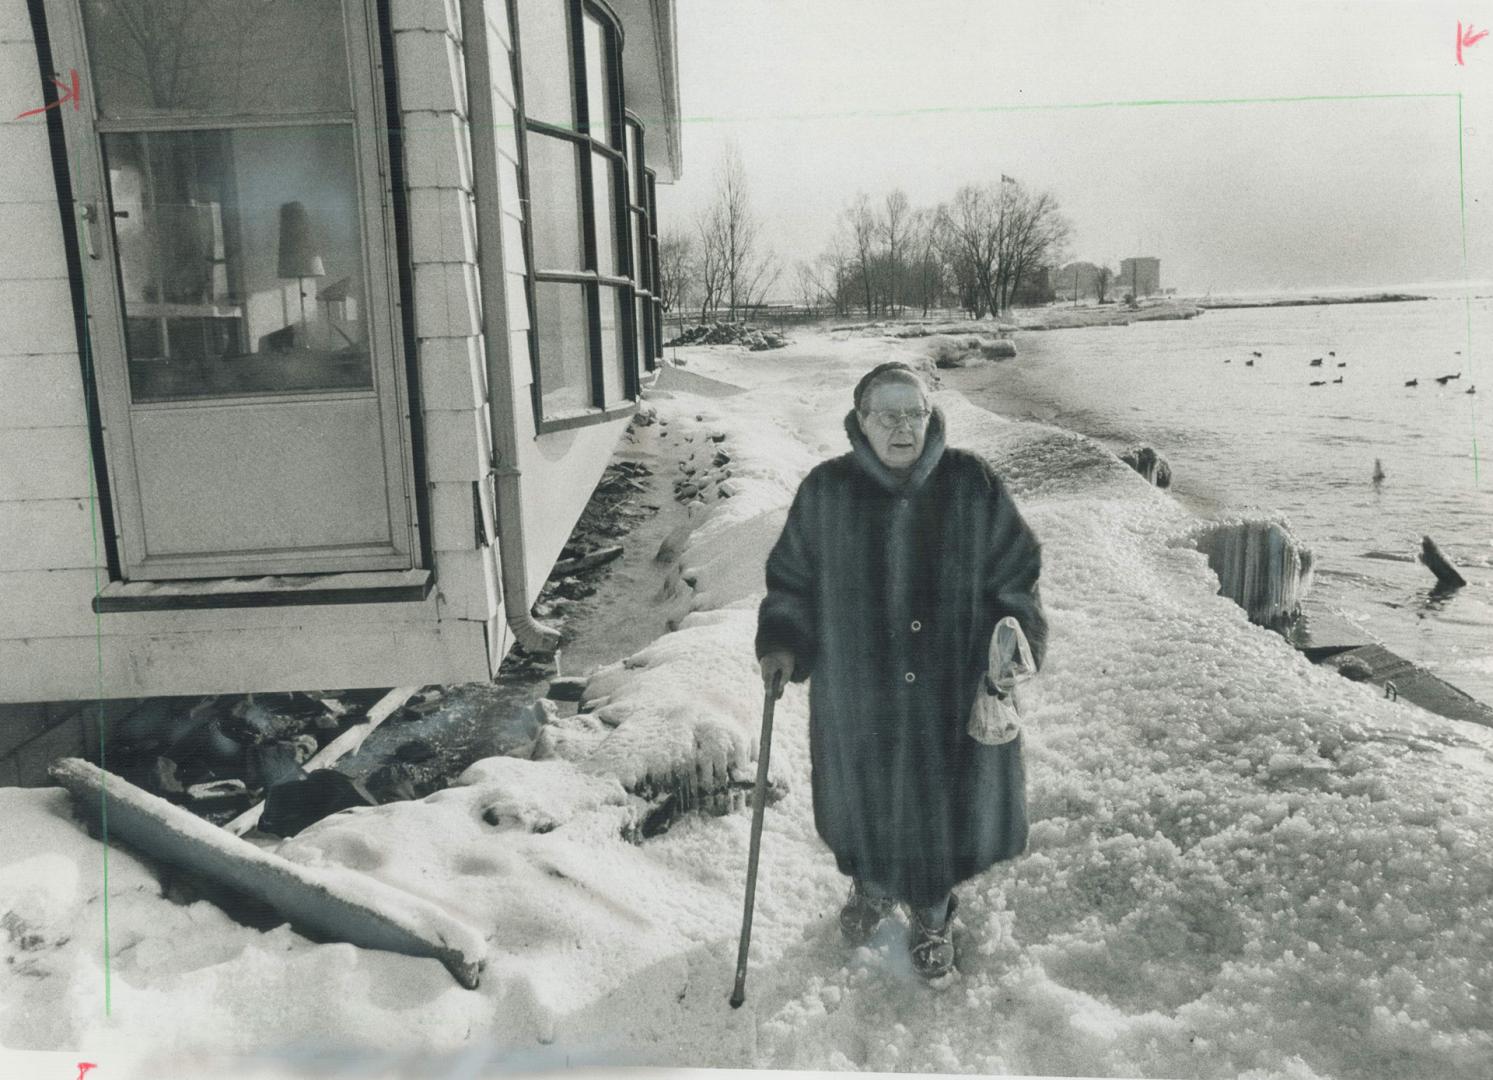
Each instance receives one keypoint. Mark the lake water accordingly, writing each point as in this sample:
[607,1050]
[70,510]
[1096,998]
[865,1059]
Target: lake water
[1260,435]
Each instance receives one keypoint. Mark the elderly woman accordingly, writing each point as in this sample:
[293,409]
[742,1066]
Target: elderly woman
[895,564]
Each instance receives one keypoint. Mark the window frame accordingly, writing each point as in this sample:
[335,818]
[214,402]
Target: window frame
[645,276]
[375,132]
[650,179]
[595,282]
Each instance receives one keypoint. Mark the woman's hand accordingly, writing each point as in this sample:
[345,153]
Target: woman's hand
[777,666]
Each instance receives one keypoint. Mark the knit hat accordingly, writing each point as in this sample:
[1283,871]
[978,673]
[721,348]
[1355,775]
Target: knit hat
[870,377]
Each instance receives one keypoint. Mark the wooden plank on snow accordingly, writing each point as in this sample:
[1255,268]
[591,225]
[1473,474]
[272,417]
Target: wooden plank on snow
[335,903]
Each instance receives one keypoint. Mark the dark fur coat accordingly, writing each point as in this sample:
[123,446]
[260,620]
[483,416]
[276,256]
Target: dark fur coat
[886,590]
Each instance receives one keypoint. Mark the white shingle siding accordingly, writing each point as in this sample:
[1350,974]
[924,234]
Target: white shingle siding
[456,445]
[452,521]
[468,585]
[452,375]
[436,151]
[431,72]
[15,22]
[36,316]
[502,68]
[26,165]
[41,390]
[47,534]
[518,306]
[56,463]
[446,300]
[497,20]
[513,204]
[523,374]
[277,658]
[507,140]
[20,81]
[443,225]
[32,245]
[443,15]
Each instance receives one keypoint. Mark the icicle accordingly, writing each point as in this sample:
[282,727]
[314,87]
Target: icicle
[1260,566]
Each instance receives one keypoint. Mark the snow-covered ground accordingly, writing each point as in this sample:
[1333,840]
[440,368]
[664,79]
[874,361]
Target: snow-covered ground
[1241,865]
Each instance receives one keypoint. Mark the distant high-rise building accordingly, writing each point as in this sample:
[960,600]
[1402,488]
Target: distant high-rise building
[1140,276]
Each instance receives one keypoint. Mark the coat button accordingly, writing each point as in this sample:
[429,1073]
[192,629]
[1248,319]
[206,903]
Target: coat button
[910,677]
[916,626]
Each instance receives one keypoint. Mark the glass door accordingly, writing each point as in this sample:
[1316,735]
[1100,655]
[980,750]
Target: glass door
[228,168]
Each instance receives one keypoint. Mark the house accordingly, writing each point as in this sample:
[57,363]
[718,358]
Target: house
[319,322]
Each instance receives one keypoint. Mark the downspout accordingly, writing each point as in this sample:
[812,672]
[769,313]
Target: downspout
[533,636]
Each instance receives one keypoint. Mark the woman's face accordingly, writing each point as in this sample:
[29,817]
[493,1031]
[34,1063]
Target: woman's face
[899,445]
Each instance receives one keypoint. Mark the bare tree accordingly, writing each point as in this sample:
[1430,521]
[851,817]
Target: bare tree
[676,268]
[1102,281]
[811,285]
[861,221]
[1031,234]
[711,262]
[837,272]
[972,228]
[734,271]
[928,263]
[895,227]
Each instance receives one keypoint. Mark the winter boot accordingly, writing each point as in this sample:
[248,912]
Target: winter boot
[862,914]
[933,950]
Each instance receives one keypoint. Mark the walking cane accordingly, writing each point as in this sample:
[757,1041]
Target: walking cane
[764,750]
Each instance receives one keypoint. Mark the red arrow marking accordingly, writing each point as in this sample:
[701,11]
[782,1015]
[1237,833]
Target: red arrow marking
[71,94]
[83,1067]
[1467,37]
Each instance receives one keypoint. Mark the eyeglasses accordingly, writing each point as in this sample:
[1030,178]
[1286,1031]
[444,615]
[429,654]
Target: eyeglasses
[892,419]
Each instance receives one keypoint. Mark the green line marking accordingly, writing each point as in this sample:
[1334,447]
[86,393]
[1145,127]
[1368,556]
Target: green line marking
[102,743]
[1466,282]
[961,110]
[1144,103]
[85,345]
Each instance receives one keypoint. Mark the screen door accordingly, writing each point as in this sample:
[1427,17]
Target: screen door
[228,165]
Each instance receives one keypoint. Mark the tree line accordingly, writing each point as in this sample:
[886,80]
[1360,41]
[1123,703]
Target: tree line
[989,246]
[719,261]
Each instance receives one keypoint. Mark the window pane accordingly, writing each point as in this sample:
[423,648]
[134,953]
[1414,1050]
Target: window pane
[614,344]
[639,250]
[653,266]
[598,80]
[544,52]
[155,58]
[610,258]
[636,192]
[658,328]
[240,259]
[555,203]
[564,351]
[644,332]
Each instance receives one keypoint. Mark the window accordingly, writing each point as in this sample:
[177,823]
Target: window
[657,351]
[640,215]
[581,192]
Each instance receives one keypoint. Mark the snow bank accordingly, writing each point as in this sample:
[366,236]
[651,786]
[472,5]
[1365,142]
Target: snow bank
[1241,864]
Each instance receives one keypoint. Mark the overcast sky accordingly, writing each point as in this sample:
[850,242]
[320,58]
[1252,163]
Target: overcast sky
[825,98]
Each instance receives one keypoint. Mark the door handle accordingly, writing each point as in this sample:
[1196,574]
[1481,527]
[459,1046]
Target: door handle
[89,213]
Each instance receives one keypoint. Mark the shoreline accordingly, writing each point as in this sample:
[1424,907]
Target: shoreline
[1307,301]
[1318,632]
[1076,318]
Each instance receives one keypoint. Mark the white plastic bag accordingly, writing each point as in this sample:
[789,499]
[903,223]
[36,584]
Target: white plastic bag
[995,717]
